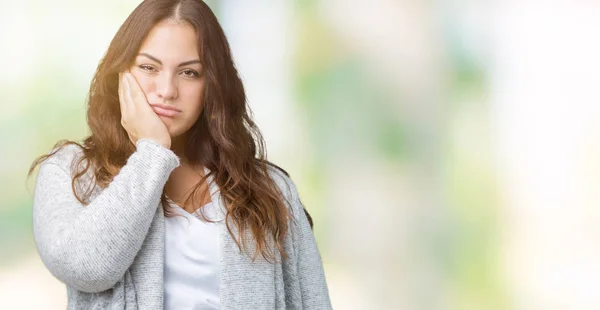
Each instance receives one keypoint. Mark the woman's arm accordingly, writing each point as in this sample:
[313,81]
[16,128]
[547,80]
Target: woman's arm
[91,247]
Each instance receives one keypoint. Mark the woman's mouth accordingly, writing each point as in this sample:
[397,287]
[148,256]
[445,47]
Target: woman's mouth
[165,110]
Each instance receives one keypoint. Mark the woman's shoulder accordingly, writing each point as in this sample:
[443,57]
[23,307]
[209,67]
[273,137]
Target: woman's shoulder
[65,156]
[288,189]
[283,181]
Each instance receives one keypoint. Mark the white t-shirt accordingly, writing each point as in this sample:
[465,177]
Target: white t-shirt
[191,272]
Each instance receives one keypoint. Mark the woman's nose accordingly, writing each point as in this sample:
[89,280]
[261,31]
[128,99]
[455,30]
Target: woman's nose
[166,86]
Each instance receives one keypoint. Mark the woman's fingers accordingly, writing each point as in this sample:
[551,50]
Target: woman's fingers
[122,98]
[136,95]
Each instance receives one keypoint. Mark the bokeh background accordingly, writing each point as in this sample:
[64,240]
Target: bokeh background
[447,150]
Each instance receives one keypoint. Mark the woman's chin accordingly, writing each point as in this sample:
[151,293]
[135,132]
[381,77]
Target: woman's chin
[174,131]
[168,121]
[175,127]
[170,126]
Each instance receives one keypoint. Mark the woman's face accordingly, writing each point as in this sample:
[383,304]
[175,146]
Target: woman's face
[169,71]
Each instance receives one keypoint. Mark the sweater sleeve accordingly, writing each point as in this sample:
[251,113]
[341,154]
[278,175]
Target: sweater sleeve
[309,266]
[91,247]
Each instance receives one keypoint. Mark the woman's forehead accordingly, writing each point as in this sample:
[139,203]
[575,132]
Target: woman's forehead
[171,42]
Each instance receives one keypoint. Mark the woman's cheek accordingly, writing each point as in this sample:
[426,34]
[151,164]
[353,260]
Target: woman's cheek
[143,80]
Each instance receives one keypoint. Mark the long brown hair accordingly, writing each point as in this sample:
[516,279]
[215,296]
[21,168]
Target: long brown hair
[224,138]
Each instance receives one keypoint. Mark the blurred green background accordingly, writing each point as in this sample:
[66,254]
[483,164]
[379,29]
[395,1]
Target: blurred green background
[447,150]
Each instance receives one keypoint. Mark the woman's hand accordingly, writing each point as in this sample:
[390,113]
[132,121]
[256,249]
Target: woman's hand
[137,117]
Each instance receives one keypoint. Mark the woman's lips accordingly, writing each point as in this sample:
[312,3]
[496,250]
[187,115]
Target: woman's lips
[168,112]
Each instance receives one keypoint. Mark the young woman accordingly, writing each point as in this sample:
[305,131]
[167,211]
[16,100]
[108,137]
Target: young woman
[170,201]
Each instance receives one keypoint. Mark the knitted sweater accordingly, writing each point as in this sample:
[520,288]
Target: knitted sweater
[110,253]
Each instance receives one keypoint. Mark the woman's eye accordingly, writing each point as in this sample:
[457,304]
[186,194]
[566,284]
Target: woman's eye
[146,67]
[190,73]
[186,73]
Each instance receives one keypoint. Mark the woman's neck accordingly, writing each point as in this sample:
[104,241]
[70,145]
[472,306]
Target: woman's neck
[178,146]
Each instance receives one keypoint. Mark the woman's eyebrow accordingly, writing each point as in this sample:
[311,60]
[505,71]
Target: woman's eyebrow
[185,63]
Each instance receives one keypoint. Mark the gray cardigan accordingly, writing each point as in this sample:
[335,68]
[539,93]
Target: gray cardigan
[110,253]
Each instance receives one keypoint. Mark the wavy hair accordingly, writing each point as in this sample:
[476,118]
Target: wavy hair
[224,139]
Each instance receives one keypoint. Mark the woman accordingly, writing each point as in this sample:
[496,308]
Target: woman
[170,202]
